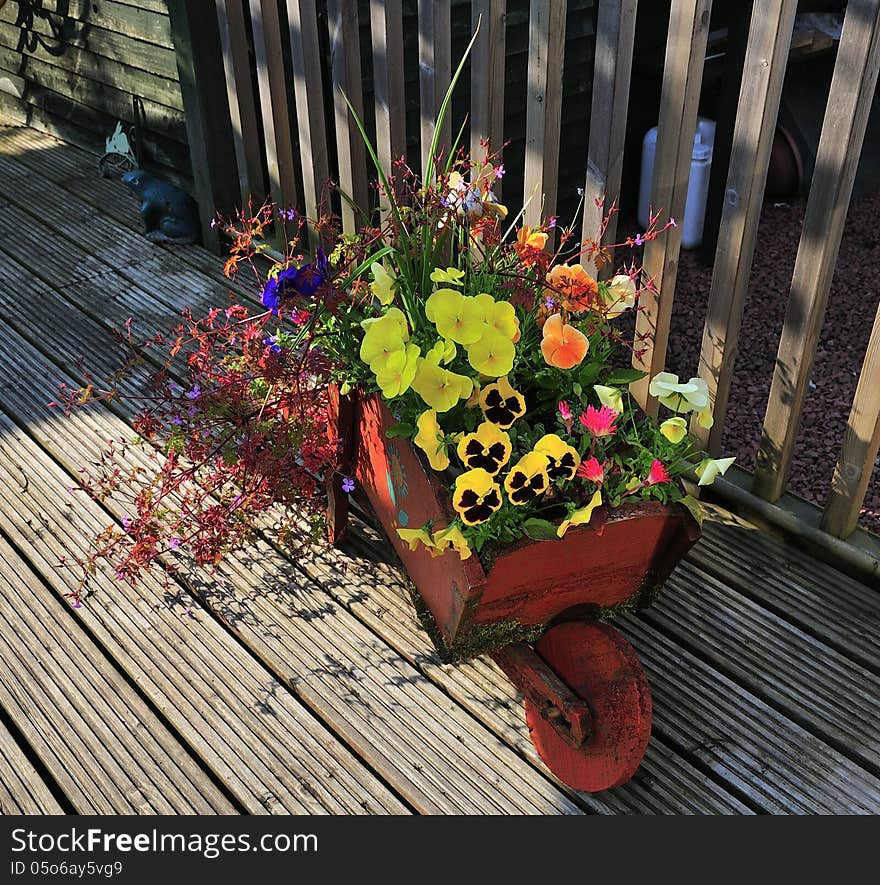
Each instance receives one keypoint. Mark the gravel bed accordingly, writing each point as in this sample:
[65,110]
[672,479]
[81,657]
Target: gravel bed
[850,314]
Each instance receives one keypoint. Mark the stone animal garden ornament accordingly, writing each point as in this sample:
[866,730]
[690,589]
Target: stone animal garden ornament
[170,214]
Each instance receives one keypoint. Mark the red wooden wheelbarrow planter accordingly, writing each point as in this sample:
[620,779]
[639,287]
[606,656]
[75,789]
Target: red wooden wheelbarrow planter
[535,607]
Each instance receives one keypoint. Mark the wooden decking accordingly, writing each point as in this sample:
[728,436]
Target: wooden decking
[305,686]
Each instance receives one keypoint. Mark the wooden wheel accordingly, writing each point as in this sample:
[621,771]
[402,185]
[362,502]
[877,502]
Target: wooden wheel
[601,667]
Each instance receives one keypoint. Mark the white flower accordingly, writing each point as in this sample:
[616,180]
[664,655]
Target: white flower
[709,468]
[693,394]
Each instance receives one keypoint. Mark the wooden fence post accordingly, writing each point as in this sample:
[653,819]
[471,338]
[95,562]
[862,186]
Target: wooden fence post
[305,52]
[240,96]
[196,36]
[612,70]
[763,73]
[840,145]
[682,79]
[487,78]
[274,101]
[543,108]
[861,442]
[435,72]
[386,27]
[345,70]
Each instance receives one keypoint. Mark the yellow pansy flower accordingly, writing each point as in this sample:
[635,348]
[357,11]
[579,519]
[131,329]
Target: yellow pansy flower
[451,276]
[383,335]
[456,316]
[452,537]
[414,537]
[488,447]
[528,478]
[383,284]
[493,354]
[674,429]
[430,440]
[564,459]
[501,404]
[397,371]
[705,418]
[476,497]
[581,516]
[610,397]
[498,315]
[442,352]
[438,387]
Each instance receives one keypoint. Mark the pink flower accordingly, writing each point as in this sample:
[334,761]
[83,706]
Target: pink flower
[658,475]
[565,414]
[592,470]
[599,422]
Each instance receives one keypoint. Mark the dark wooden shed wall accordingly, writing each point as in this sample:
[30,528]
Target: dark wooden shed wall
[71,67]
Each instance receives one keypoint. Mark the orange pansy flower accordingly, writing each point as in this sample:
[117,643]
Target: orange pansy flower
[529,245]
[572,287]
[563,346]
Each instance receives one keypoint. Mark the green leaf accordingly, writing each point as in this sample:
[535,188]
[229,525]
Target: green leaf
[397,430]
[589,373]
[695,507]
[540,529]
[623,376]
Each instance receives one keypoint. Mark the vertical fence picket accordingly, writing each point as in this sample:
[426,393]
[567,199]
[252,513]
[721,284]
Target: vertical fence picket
[543,108]
[273,101]
[615,34]
[386,27]
[487,77]
[240,93]
[345,73]
[861,443]
[840,145]
[308,92]
[763,73]
[682,78]
[435,72]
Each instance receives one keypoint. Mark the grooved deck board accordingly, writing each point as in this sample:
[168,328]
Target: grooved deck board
[831,606]
[833,697]
[22,789]
[97,731]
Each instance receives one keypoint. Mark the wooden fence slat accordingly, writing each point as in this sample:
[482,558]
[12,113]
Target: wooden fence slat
[274,110]
[240,94]
[305,51]
[840,145]
[682,79]
[435,72]
[487,78]
[763,73]
[543,108]
[345,72]
[386,28]
[195,30]
[612,69]
[861,443]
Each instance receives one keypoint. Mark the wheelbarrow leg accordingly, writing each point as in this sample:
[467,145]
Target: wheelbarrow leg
[341,429]
[590,719]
